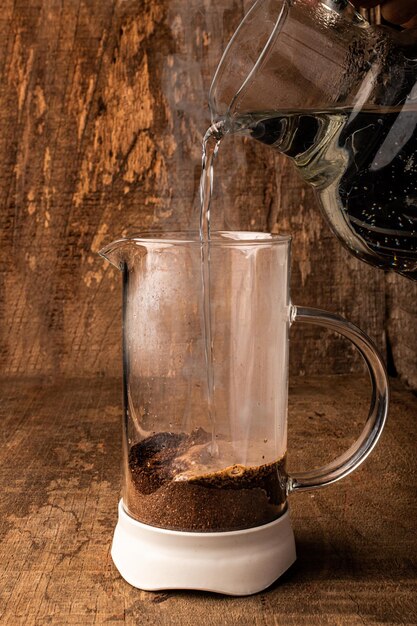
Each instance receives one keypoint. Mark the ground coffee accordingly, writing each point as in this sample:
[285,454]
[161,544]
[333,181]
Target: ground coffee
[170,484]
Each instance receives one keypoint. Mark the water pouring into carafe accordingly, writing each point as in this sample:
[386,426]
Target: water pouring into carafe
[338,96]
[207,315]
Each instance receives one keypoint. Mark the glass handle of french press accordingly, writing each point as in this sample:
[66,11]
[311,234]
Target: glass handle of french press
[358,452]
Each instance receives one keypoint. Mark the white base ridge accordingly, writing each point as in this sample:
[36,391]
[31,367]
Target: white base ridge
[238,563]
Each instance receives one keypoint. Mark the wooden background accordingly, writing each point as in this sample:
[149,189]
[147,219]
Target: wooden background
[103,104]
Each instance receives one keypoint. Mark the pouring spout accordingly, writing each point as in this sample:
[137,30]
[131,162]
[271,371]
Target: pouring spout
[131,251]
[121,252]
[114,253]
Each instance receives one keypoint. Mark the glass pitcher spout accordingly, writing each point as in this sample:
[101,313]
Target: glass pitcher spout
[129,251]
[112,254]
[120,252]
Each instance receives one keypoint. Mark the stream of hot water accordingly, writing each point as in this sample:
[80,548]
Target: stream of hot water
[211,143]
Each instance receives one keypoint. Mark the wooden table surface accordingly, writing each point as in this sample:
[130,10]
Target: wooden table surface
[60,463]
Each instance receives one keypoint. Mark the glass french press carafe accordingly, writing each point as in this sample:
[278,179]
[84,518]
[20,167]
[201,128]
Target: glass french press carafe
[205,481]
[338,96]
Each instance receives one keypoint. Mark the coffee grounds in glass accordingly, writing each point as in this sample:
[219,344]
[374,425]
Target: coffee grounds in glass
[160,492]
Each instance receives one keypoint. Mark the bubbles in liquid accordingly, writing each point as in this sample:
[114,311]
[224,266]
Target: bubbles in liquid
[363,166]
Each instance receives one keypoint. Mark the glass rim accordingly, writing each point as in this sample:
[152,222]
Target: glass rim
[218,238]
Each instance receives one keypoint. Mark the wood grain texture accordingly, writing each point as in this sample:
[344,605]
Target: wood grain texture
[59,472]
[102,107]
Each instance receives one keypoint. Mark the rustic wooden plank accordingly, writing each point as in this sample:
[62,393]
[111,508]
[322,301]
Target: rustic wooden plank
[102,107]
[59,472]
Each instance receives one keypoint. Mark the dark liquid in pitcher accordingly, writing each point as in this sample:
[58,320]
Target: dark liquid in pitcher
[364,168]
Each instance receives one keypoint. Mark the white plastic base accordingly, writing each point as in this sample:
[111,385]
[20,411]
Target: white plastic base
[236,563]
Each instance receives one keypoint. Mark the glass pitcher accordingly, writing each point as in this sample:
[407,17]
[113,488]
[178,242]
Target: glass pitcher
[338,96]
[205,484]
